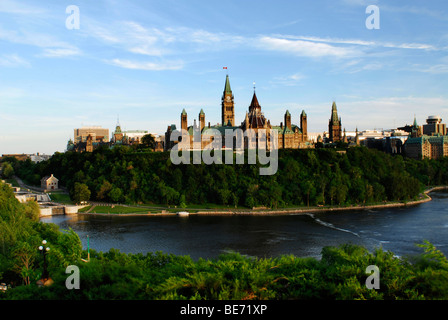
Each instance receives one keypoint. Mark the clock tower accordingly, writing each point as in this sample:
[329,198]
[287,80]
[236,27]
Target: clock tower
[227,103]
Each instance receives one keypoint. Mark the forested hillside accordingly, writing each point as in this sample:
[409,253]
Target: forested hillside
[339,274]
[304,177]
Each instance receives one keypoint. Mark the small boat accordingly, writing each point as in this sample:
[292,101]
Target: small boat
[183,214]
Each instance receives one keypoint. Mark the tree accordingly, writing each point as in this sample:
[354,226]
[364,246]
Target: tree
[80,192]
[32,210]
[182,203]
[24,256]
[7,170]
[104,190]
[148,141]
[115,194]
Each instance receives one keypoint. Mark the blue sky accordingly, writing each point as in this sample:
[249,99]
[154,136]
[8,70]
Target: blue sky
[144,61]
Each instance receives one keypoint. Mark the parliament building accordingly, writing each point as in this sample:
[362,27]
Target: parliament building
[290,136]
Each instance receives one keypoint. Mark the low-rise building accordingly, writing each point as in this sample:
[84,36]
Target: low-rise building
[49,183]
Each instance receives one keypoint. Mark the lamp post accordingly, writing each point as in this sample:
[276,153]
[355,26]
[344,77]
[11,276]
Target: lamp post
[44,251]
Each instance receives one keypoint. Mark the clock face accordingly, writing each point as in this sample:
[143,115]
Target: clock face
[228,98]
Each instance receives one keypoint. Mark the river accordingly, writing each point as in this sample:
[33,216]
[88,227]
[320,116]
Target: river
[394,229]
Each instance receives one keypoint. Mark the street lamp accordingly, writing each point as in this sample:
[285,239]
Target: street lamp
[44,251]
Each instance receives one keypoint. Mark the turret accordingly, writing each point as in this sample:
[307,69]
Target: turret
[288,119]
[227,105]
[201,120]
[183,120]
[304,124]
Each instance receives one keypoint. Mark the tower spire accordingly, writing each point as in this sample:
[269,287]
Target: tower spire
[227,105]
[227,88]
[118,127]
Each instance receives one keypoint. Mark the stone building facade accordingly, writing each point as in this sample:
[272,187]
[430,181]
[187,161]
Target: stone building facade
[49,183]
[335,125]
[290,136]
[431,147]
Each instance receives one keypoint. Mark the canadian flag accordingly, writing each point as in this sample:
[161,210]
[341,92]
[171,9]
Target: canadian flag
[224,67]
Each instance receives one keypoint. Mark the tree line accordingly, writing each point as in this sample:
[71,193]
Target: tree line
[113,275]
[339,274]
[304,178]
[21,234]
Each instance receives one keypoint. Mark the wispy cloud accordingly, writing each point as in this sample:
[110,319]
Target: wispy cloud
[12,7]
[305,48]
[142,65]
[13,60]
[435,69]
[61,52]
[357,2]
[416,10]
[133,37]
[289,80]
[363,43]
[51,46]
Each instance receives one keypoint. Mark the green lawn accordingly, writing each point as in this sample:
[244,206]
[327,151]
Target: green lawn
[60,197]
[120,209]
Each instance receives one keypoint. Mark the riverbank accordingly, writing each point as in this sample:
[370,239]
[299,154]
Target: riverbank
[424,197]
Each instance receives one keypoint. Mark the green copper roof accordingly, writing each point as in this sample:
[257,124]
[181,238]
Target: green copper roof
[286,130]
[220,128]
[303,113]
[431,139]
[333,107]
[227,86]
[201,112]
[287,113]
[184,112]
[334,115]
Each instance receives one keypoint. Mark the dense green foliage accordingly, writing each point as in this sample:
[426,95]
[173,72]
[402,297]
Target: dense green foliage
[304,177]
[339,274]
[7,170]
[21,234]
